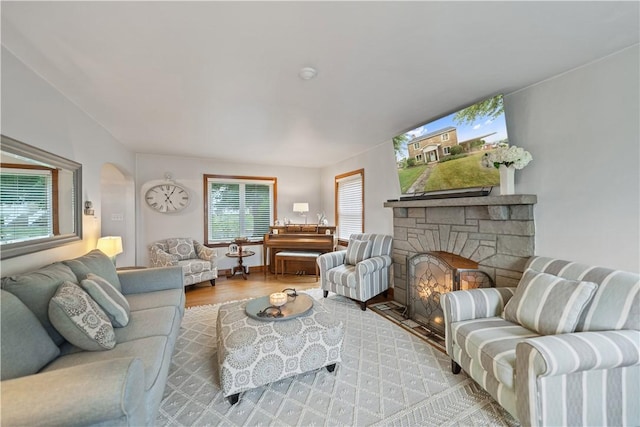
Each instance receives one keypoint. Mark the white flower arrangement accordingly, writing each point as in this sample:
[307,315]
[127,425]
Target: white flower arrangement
[508,156]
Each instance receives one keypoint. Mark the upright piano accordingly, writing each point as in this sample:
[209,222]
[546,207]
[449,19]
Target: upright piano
[296,241]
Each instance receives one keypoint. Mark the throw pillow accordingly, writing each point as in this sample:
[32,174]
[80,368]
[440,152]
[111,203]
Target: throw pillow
[80,319]
[548,304]
[114,304]
[26,347]
[182,248]
[357,251]
[95,262]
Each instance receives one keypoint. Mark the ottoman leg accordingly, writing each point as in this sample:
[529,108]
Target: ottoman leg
[233,399]
[331,367]
[325,293]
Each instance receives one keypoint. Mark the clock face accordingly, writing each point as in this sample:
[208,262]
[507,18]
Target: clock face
[167,198]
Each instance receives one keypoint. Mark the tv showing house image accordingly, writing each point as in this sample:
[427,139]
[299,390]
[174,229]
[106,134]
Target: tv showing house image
[446,154]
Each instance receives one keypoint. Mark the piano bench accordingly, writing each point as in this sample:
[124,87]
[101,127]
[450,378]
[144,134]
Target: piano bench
[283,256]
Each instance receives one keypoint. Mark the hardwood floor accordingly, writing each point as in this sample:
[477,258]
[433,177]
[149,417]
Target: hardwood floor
[256,285]
[236,288]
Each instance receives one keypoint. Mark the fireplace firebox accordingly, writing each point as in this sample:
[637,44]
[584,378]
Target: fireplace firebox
[432,274]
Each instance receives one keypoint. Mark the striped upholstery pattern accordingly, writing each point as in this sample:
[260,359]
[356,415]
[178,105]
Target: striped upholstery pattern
[616,303]
[492,342]
[472,304]
[367,278]
[357,251]
[589,377]
[548,304]
[380,243]
[600,372]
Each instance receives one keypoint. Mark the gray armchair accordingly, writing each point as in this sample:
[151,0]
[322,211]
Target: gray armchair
[361,272]
[199,263]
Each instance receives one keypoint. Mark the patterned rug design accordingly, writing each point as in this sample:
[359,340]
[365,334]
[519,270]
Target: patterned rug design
[388,377]
[394,311]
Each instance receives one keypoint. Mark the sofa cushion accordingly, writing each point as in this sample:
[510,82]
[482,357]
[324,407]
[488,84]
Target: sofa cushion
[617,290]
[151,351]
[194,266]
[26,347]
[95,262]
[149,323]
[165,298]
[548,304]
[181,248]
[36,288]
[344,275]
[357,251]
[114,304]
[492,343]
[80,319]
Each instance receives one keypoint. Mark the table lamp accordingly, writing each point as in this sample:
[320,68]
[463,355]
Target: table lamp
[111,246]
[302,209]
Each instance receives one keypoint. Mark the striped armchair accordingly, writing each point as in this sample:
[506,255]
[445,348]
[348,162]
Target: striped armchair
[361,272]
[563,348]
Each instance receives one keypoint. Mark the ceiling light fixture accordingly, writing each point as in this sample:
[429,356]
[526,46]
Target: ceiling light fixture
[307,73]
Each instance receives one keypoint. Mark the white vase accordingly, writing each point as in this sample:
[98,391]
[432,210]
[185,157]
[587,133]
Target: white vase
[507,180]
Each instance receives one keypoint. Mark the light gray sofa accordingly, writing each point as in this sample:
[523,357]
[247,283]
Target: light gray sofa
[566,352]
[48,381]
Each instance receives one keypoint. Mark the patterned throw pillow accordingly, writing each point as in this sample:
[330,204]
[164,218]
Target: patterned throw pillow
[182,248]
[357,251]
[548,304]
[80,319]
[114,304]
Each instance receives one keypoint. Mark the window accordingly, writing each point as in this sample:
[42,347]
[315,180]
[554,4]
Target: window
[446,150]
[238,207]
[349,194]
[416,145]
[419,158]
[444,137]
[26,203]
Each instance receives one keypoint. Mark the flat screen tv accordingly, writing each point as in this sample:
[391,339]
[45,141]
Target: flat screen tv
[443,158]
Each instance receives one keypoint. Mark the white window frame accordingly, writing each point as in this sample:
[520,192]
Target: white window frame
[349,204]
[242,181]
[419,158]
[446,150]
[444,136]
[416,145]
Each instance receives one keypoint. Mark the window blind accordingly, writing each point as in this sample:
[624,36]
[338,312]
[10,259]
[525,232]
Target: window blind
[350,206]
[238,208]
[25,204]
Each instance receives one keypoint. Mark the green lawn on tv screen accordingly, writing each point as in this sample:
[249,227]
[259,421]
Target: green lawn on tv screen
[462,173]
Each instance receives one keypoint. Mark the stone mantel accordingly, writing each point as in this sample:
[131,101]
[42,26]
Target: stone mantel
[496,232]
[514,199]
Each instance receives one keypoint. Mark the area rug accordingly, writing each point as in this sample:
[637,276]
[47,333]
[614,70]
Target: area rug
[388,376]
[394,312]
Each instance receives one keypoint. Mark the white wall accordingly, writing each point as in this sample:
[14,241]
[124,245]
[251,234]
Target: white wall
[294,185]
[380,184]
[582,129]
[35,113]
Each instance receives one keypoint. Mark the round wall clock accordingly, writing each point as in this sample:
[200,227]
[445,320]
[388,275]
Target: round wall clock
[167,198]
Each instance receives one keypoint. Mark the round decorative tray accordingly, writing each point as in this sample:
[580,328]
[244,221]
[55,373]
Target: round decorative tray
[296,306]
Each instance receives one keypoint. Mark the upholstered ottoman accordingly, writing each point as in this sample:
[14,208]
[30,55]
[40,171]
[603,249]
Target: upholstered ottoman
[252,353]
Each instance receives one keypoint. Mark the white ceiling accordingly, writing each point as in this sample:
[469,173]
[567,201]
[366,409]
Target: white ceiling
[219,79]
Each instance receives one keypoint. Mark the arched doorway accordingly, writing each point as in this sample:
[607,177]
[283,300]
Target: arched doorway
[117,211]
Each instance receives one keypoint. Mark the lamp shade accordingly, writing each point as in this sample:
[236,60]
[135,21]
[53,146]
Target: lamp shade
[301,207]
[110,245]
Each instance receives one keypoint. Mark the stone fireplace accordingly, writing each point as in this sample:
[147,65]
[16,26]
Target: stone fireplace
[432,274]
[494,233]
